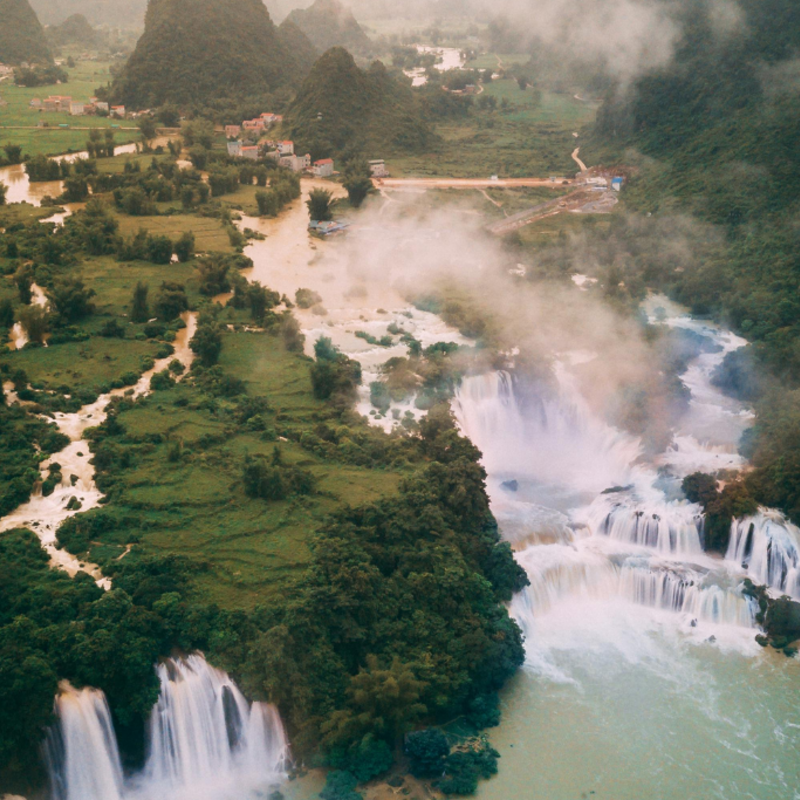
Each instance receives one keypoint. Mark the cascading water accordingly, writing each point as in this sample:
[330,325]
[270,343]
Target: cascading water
[767,546]
[203,733]
[642,645]
[205,741]
[81,749]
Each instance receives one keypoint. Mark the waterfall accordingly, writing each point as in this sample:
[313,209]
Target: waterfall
[767,546]
[668,527]
[205,740]
[549,436]
[558,572]
[204,733]
[687,594]
[81,749]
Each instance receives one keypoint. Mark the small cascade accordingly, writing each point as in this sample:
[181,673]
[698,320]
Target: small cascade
[687,594]
[667,527]
[205,740]
[81,749]
[204,733]
[558,573]
[767,547]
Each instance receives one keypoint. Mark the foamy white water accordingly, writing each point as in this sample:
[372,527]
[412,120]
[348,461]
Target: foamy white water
[642,676]
[205,742]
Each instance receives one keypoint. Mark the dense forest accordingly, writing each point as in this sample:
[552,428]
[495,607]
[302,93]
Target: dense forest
[196,52]
[341,109]
[21,34]
[328,24]
[721,124]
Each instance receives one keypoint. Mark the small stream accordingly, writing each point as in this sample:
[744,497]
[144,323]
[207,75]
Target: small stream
[43,515]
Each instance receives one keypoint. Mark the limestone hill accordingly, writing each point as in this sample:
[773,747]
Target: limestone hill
[328,24]
[342,110]
[194,52]
[21,34]
[73,30]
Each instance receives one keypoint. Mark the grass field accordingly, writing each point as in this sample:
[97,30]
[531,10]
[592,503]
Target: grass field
[195,505]
[498,61]
[18,121]
[209,233]
[532,137]
[87,364]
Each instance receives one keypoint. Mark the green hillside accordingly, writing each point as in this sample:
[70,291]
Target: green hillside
[328,24]
[195,51]
[298,44]
[21,35]
[343,110]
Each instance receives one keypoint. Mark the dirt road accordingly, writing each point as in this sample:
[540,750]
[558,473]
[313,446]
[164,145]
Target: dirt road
[470,183]
[577,160]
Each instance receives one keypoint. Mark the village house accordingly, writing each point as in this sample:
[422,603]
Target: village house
[235,148]
[77,109]
[101,106]
[250,151]
[253,124]
[57,103]
[35,103]
[118,111]
[323,168]
[296,163]
[285,148]
[232,131]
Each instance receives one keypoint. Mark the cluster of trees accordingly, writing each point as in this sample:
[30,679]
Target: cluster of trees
[275,479]
[24,441]
[100,145]
[334,376]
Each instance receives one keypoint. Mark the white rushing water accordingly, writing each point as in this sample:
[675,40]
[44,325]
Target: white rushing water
[205,742]
[640,647]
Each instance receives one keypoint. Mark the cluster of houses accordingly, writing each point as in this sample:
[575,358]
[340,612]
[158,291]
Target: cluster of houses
[245,141]
[76,108]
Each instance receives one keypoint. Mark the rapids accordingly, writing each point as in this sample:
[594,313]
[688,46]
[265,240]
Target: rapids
[642,676]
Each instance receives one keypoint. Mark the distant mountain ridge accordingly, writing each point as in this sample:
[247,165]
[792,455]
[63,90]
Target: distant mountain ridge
[21,34]
[341,110]
[73,30]
[113,13]
[328,24]
[199,51]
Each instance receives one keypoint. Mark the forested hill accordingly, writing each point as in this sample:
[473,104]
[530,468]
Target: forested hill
[73,30]
[21,35]
[298,44]
[722,123]
[194,52]
[342,110]
[330,24]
